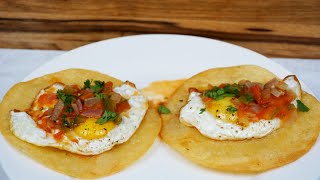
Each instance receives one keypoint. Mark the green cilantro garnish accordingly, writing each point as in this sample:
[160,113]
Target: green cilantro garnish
[100,95]
[163,110]
[97,87]
[65,122]
[107,116]
[232,109]
[302,107]
[219,93]
[66,99]
[248,98]
[232,89]
[86,84]
[202,110]
[69,110]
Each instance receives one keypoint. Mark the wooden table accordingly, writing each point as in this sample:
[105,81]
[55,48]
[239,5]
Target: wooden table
[283,28]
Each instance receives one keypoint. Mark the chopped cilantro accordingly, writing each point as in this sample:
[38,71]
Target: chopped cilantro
[65,122]
[248,98]
[232,109]
[100,95]
[219,93]
[66,99]
[163,110]
[302,107]
[232,89]
[98,86]
[86,84]
[69,110]
[180,100]
[107,116]
[202,110]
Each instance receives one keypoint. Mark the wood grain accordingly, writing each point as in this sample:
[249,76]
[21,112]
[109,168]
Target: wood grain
[287,28]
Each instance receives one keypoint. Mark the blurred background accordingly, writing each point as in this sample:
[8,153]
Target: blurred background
[276,28]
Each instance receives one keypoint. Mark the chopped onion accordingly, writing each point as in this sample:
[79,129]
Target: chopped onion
[281,85]
[91,101]
[95,113]
[242,82]
[266,93]
[57,110]
[276,92]
[116,98]
[79,104]
[75,108]
[255,108]
[260,85]
[236,102]
[271,83]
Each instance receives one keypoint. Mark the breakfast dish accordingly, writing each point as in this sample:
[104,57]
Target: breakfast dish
[79,122]
[241,119]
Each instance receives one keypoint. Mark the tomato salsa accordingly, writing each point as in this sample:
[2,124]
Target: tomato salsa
[252,101]
[57,111]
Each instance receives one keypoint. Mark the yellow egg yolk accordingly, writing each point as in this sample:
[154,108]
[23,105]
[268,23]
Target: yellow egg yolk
[221,109]
[90,130]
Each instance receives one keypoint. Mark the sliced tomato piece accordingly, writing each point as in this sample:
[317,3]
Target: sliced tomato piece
[107,87]
[122,106]
[255,89]
[85,94]
[47,98]
[58,136]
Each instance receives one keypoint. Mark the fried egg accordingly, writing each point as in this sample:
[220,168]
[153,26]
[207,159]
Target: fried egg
[215,121]
[88,138]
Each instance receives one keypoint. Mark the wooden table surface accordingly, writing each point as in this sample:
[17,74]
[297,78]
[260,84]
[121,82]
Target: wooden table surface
[281,28]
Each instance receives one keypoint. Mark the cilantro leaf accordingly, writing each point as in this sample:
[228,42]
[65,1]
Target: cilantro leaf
[232,89]
[248,98]
[86,84]
[302,107]
[100,95]
[163,110]
[232,109]
[107,116]
[98,86]
[219,93]
[65,122]
[66,99]
[202,110]
[69,110]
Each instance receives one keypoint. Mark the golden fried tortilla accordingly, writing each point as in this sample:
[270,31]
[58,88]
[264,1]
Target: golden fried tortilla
[281,147]
[119,157]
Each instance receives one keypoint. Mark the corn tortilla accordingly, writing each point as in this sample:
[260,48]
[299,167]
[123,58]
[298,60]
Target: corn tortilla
[119,157]
[281,147]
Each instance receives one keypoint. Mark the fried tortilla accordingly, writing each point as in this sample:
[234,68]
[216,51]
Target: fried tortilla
[281,147]
[119,157]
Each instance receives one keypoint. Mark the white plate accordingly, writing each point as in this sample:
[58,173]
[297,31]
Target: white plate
[143,59]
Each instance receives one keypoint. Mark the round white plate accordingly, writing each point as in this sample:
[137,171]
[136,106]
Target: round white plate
[143,59]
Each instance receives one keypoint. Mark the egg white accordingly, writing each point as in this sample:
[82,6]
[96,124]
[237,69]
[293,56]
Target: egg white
[25,128]
[218,129]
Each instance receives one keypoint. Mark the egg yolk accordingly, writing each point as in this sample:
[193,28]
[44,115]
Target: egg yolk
[90,130]
[220,109]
